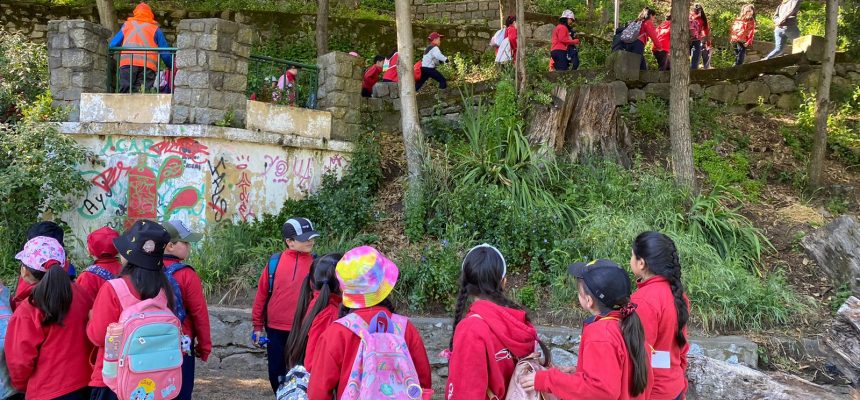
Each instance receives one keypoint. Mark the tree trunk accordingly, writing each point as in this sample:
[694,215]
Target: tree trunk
[679,97]
[506,7]
[412,137]
[521,49]
[322,27]
[822,101]
[107,14]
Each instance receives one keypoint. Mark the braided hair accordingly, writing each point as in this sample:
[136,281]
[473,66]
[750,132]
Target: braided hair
[661,258]
[322,279]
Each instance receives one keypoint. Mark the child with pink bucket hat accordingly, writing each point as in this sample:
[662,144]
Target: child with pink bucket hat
[371,352]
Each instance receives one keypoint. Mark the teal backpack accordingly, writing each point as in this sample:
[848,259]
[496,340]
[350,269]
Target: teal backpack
[6,389]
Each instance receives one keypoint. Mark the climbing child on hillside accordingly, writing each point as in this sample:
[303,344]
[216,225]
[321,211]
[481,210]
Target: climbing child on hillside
[47,351]
[490,334]
[373,365]
[664,311]
[433,57]
[141,251]
[371,76]
[743,32]
[106,265]
[560,42]
[48,229]
[613,361]
[278,292]
[189,301]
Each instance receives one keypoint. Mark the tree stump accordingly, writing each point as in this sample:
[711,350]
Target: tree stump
[844,340]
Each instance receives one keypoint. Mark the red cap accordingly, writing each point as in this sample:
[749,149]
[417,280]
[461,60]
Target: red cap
[433,36]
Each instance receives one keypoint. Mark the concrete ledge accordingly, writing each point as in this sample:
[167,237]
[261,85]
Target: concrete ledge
[134,108]
[267,117]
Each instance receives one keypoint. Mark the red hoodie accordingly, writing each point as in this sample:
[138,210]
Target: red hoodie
[656,309]
[49,361]
[561,38]
[391,73]
[743,31]
[322,321]
[664,32]
[292,269]
[647,31]
[196,324]
[371,76]
[106,310]
[604,370]
[511,35]
[100,245]
[338,347]
[486,342]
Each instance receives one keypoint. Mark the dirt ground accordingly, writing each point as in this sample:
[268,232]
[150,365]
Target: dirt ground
[231,384]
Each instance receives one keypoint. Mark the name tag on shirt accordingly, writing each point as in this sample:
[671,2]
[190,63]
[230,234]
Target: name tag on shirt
[660,359]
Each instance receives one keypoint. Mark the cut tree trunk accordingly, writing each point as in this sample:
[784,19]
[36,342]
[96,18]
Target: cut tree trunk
[679,98]
[822,101]
[843,340]
[107,14]
[322,27]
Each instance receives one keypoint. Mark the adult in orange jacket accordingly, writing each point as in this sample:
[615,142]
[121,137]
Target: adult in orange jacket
[140,68]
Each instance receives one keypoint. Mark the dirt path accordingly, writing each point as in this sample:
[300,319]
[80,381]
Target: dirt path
[229,384]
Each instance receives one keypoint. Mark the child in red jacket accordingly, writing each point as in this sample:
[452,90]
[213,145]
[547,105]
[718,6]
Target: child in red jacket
[664,311]
[743,32]
[366,278]
[496,332]
[48,229]
[613,361]
[47,351]
[106,265]
[275,306]
[190,302]
[320,292]
[661,52]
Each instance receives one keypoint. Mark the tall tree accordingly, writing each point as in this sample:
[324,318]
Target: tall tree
[521,48]
[413,139]
[822,100]
[107,14]
[322,27]
[506,7]
[679,97]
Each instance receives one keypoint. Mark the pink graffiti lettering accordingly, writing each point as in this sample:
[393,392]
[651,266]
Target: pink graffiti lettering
[278,167]
[244,206]
[304,173]
[187,148]
[242,162]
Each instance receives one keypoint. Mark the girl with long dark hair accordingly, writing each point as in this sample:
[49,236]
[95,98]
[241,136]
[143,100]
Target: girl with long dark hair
[701,45]
[646,31]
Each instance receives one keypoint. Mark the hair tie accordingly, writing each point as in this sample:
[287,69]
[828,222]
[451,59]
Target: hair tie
[489,246]
[628,309]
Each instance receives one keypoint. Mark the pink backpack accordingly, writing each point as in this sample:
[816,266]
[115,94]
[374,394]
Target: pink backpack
[383,367]
[143,355]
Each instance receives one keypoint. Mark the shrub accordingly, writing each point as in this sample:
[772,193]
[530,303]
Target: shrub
[649,116]
[431,278]
[23,73]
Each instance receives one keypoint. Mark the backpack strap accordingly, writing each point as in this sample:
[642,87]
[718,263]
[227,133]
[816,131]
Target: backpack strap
[177,291]
[356,324]
[100,272]
[272,268]
[126,299]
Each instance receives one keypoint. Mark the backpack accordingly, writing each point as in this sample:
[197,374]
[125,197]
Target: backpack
[383,367]
[294,385]
[143,356]
[630,34]
[498,37]
[6,388]
[100,272]
[525,366]
[416,70]
[177,292]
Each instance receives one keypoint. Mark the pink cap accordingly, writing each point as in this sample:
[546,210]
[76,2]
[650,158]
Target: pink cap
[39,250]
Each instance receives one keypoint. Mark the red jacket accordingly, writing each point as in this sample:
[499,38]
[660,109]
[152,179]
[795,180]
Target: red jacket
[101,248]
[664,32]
[292,269]
[647,31]
[371,76]
[92,282]
[338,347]
[511,34]
[604,371]
[743,31]
[49,361]
[656,309]
[106,310]
[391,73]
[486,342]
[322,321]
[196,324]
[561,38]
[704,31]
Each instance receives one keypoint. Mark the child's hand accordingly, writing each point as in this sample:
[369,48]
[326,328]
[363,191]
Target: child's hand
[576,42]
[528,381]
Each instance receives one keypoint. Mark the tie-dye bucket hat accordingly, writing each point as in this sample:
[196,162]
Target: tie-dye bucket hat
[366,277]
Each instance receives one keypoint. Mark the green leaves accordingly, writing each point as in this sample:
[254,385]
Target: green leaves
[23,73]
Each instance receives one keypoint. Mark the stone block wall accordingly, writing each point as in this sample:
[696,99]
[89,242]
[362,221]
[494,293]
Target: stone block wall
[339,92]
[78,61]
[476,12]
[212,71]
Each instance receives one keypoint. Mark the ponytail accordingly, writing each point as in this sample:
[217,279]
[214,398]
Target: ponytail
[53,294]
[634,339]
[661,258]
[322,278]
[149,283]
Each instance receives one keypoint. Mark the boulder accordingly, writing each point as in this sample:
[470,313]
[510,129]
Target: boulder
[696,91]
[753,91]
[836,249]
[563,358]
[624,65]
[221,335]
[660,90]
[779,83]
[725,93]
[636,94]
[620,92]
[815,47]
[789,101]
[843,339]
[841,84]
[243,362]
[809,79]
[543,32]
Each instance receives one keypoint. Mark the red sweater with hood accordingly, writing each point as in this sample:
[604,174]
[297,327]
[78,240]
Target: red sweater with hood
[322,321]
[49,361]
[292,269]
[196,324]
[100,245]
[561,38]
[648,31]
[656,309]
[664,33]
[604,370]
[336,351]
[486,343]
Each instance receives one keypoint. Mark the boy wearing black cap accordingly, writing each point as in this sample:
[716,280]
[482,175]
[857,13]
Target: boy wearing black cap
[278,293]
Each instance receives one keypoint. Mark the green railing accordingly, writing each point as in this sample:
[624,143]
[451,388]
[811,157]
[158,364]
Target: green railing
[131,78]
[267,82]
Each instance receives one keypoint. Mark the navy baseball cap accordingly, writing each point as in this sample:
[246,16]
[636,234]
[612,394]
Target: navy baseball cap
[608,282]
[301,229]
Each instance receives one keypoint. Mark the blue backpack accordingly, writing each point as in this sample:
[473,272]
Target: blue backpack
[100,272]
[177,293]
[6,389]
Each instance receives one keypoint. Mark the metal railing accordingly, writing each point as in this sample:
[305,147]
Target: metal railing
[141,78]
[267,81]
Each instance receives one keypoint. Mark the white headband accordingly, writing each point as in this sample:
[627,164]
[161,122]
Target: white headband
[504,263]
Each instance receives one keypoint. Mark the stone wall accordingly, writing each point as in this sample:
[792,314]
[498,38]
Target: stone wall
[78,60]
[476,12]
[340,92]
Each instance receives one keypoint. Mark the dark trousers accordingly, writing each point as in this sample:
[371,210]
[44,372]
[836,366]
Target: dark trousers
[187,378]
[80,394]
[706,56]
[102,393]
[695,53]
[639,48]
[276,353]
[573,56]
[427,73]
[559,60]
[662,58]
[740,53]
[131,78]
[366,93]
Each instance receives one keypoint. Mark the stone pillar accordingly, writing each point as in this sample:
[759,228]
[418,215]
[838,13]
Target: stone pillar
[78,62]
[340,92]
[212,71]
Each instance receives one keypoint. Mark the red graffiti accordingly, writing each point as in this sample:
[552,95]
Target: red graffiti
[172,168]
[242,162]
[187,148]
[244,206]
[142,194]
[187,198]
[110,176]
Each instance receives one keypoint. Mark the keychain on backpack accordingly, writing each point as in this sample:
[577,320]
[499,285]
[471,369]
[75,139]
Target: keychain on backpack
[263,340]
[186,345]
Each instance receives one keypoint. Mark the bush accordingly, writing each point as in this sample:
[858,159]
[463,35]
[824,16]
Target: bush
[23,73]
[649,116]
[430,279]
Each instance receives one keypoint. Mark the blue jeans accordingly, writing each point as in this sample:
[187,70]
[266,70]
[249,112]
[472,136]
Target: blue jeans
[187,378]
[276,354]
[781,35]
[102,393]
[740,53]
[559,59]
[695,53]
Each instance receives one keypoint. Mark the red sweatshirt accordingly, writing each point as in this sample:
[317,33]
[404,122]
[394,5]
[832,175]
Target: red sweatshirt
[511,35]
[743,31]
[338,347]
[561,38]
[664,32]
[656,309]
[292,269]
[704,30]
[49,361]
[391,73]
[647,31]
[604,370]
[106,310]
[322,321]
[486,342]
[196,324]
[371,76]
[92,282]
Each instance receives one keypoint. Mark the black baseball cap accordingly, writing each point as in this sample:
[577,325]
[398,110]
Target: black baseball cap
[143,244]
[608,282]
[300,229]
